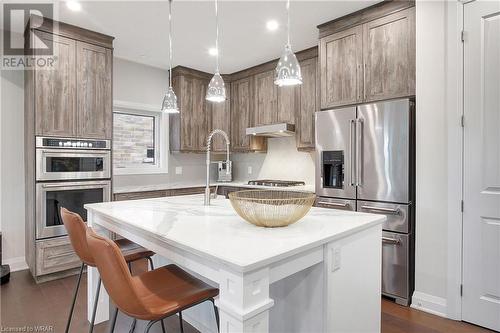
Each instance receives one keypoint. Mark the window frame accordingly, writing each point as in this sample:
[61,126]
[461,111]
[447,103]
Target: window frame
[161,137]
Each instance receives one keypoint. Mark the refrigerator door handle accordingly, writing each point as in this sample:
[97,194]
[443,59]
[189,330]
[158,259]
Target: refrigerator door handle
[358,149]
[396,211]
[352,149]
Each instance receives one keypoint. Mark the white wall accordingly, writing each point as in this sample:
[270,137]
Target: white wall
[432,157]
[12,167]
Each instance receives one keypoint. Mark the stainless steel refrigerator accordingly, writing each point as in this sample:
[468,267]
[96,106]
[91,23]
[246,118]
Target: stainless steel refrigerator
[365,161]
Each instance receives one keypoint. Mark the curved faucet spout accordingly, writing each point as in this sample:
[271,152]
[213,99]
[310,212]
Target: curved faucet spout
[228,162]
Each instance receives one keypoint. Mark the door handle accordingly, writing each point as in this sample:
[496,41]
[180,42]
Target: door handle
[333,204]
[396,211]
[391,241]
[359,142]
[352,148]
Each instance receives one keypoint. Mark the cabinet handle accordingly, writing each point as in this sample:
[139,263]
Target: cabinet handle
[391,241]
[396,211]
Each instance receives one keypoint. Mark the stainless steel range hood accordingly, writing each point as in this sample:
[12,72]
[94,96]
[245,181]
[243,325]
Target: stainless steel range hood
[272,131]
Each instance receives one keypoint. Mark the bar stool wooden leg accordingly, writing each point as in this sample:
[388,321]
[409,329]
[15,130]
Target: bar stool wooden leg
[74,298]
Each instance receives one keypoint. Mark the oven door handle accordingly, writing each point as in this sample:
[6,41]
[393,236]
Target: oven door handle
[77,185]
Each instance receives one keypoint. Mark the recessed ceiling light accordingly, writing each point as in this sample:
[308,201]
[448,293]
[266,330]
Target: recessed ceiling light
[74,5]
[272,25]
[212,51]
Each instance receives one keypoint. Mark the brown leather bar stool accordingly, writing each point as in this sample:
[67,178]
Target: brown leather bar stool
[152,295]
[77,228]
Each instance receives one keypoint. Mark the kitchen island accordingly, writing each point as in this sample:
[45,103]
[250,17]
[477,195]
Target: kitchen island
[321,274]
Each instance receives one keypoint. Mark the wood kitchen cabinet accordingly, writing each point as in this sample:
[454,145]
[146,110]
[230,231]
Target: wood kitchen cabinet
[389,56]
[71,99]
[55,93]
[265,98]
[74,99]
[190,127]
[308,104]
[243,116]
[368,55]
[94,95]
[221,119]
[341,57]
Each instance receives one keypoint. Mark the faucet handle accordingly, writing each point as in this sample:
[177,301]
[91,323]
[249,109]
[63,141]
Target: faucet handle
[214,194]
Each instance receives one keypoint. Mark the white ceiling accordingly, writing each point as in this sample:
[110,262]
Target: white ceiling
[141,29]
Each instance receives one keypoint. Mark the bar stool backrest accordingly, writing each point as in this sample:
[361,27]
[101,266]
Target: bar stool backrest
[77,229]
[115,275]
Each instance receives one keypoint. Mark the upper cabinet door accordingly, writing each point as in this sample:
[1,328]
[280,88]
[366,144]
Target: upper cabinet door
[308,104]
[221,119]
[201,113]
[341,68]
[287,104]
[265,98]
[55,102]
[94,94]
[241,113]
[389,56]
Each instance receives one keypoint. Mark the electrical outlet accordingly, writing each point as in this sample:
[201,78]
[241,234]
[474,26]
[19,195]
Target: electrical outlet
[178,170]
[250,170]
[336,259]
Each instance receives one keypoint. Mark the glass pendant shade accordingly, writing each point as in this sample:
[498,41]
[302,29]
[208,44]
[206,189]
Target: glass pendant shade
[169,104]
[287,71]
[216,91]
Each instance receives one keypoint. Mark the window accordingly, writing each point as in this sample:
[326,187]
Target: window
[139,139]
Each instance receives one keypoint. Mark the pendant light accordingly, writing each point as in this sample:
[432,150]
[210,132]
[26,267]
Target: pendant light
[169,104]
[216,91]
[287,72]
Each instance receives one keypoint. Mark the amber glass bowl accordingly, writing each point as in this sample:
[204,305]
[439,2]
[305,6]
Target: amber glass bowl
[271,208]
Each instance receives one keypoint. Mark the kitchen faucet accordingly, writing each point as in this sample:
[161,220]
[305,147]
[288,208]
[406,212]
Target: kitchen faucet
[228,162]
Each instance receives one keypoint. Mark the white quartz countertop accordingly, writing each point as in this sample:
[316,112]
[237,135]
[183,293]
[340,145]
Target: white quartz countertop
[217,233]
[177,185]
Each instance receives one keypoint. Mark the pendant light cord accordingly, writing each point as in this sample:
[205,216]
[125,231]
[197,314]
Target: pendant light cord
[288,22]
[216,37]
[170,42]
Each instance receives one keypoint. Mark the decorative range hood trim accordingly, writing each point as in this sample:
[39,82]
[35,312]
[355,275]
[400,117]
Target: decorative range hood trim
[272,131]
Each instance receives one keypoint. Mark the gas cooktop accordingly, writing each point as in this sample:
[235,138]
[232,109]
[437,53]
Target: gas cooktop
[278,183]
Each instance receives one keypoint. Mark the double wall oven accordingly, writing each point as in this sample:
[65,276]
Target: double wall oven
[69,173]
[365,162]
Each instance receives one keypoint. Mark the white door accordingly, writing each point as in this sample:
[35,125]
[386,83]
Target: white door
[481,225]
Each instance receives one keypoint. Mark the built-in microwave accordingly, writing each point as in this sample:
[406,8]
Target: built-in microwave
[72,159]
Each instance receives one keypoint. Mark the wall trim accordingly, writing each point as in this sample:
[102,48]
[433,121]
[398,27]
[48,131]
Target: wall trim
[16,264]
[429,303]
[454,109]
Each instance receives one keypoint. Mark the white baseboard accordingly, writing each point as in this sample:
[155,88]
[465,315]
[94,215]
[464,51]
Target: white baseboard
[429,303]
[16,264]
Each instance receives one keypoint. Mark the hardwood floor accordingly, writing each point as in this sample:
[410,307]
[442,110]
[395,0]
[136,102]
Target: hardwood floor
[24,303]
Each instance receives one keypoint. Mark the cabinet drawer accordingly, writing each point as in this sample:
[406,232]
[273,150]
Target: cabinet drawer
[395,265]
[55,255]
[185,191]
[139,195]
[398,215]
